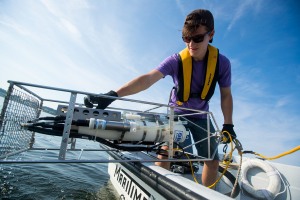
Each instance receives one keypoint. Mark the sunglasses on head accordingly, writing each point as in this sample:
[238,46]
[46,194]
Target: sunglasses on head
[196,38]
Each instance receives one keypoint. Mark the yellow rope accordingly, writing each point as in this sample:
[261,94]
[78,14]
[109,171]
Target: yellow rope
[191,165]
[227,162]
[279,155]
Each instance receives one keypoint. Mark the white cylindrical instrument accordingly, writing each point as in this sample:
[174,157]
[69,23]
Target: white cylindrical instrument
[134,130]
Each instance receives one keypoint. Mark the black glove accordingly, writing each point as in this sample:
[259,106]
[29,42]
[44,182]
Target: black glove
[101,101]
[228,128]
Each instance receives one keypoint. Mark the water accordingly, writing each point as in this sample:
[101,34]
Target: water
[56,181]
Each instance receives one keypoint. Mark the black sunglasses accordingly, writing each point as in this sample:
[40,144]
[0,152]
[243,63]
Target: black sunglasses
[197,38]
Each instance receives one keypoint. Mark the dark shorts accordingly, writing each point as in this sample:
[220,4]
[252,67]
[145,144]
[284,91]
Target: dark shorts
[200,134]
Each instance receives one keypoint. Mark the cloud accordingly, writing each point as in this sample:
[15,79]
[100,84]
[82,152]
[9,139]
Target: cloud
[71,29]
[241,11]
[10,23]
[283,101]
[52,8]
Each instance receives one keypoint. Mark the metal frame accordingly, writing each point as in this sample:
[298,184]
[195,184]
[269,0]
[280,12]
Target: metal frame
[71,105]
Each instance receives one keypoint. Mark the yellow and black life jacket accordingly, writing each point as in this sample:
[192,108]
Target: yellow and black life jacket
[185,75]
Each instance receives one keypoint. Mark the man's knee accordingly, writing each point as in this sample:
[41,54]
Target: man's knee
[163,155]
[214,164]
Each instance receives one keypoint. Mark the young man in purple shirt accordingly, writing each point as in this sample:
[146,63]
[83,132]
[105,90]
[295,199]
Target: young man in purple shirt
[197,33]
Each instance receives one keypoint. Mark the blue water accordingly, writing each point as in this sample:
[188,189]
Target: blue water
[56,181]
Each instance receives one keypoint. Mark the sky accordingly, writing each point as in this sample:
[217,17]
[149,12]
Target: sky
[97,46]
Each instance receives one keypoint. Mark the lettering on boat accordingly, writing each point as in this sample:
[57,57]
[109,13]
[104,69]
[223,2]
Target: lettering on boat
[134,190]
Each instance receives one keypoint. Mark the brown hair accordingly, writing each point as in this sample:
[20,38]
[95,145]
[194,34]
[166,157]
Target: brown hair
[199,17]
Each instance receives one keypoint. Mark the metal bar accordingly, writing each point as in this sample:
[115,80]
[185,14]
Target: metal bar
[101,95]
[37,116]
[58,101]
[13,153]
[73,143]
[56,149]
[95,161]
[196,142]
[136,111]
[5,103]
[29,91]
[81,92]
[152,108]
[45,87]
[67,127]
[215,122]
[208,136]
[171,124]
[215,152]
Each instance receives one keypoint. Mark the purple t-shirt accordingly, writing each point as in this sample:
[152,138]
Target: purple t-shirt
[170,67]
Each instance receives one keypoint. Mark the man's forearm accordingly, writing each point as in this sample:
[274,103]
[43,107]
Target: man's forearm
[227,107]
[136,85]
[140,83]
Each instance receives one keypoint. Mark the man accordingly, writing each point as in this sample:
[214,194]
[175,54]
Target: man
[205,66]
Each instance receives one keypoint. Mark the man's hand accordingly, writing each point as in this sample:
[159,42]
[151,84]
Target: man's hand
[228,129]
[101,101]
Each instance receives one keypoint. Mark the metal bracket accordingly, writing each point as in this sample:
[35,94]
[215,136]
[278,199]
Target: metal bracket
[87,113]
[67,127]
[171,123]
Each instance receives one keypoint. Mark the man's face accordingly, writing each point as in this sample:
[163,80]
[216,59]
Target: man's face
[197,42]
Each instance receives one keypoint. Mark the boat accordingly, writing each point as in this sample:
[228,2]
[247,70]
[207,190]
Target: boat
[132,138]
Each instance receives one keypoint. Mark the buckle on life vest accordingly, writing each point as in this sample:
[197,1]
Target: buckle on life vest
[179,103]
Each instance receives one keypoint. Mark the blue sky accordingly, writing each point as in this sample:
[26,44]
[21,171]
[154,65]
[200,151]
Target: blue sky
[97,46]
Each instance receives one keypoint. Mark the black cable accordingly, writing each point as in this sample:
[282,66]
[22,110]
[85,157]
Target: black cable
[250,152]
[75,134]
[56,118]
[56,124]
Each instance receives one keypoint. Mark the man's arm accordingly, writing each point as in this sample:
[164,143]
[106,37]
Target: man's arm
[140,83]
[226,104]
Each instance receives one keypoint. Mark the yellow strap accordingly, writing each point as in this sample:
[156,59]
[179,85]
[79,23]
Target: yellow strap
[210,71]
[187,72]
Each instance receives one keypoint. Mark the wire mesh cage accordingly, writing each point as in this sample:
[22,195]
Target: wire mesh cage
[19,107]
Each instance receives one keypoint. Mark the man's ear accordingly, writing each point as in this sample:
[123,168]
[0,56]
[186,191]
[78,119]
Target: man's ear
[211,35]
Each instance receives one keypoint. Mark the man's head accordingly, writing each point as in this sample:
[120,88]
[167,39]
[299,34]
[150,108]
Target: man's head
[196,19]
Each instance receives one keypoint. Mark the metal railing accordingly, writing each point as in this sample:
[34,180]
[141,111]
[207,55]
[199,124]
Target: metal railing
[22,105]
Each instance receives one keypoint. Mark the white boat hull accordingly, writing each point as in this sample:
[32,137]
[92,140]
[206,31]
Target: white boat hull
[148,181]
[130,181]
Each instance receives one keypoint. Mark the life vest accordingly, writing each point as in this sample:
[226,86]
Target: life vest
[185,75]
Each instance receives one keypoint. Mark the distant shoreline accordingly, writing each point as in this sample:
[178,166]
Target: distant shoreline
[2,92]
